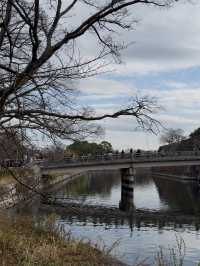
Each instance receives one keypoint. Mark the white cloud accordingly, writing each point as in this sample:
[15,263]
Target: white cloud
[105,88]
[164,40]
[127,140]
[180,111]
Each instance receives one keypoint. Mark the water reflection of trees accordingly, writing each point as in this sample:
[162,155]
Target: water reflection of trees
[179,195]
[192,171]
[143,177]
[111,217]
[102,182]
[92,183]
[176,195]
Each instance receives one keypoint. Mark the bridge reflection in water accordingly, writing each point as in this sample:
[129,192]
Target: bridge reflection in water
[163,210]
[128,164]
[158,202]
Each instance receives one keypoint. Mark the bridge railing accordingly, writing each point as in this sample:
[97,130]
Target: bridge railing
[131,156]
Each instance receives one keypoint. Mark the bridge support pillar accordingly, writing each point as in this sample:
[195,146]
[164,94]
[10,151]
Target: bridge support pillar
[127,189]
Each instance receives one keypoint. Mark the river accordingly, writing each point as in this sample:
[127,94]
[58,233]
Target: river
[141,242]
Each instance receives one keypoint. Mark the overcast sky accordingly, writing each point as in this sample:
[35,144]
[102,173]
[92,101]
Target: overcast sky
[163,61]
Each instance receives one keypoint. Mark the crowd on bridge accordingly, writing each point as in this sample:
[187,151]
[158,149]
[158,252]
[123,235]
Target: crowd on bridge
[110,156]
[131,154]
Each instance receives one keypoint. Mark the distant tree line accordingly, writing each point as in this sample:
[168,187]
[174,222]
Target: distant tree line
[59,151]
[175,139]
[86,148]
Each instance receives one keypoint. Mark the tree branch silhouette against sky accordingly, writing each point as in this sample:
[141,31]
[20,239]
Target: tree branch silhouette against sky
[43,61]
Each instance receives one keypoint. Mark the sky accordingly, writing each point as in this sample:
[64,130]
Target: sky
[163,62]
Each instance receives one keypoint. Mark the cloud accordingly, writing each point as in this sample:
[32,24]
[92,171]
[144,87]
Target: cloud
[108,94]
[95,91]
[165,40]
[132,139]
[181,106]
[103,86]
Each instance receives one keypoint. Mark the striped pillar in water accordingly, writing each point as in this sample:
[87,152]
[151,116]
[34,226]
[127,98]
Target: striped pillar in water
[127,189]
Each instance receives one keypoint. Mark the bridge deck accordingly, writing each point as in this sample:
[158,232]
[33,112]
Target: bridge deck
[113,162]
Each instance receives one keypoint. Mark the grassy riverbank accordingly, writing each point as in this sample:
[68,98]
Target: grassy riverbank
[6,174]
[22,244]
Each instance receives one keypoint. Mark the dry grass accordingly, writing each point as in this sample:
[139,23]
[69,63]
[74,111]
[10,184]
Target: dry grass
[6,173]
[174,256]
[22,244]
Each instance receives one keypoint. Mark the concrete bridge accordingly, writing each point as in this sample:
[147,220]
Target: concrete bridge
[127,163]
[119,161]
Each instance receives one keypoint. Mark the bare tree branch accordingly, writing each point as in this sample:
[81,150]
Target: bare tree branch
[40,59]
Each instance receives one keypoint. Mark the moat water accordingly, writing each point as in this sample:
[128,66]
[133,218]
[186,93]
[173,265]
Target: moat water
[134,243]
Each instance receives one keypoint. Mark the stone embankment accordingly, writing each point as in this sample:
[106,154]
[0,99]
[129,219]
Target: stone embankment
[13,193]
[175,177]
[190,173]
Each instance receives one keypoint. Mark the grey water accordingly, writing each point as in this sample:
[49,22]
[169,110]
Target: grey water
[134,243]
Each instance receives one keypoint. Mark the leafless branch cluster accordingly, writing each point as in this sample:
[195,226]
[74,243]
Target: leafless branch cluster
[40,58]
[171,136]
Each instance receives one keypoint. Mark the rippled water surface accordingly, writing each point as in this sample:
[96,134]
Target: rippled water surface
[135,243]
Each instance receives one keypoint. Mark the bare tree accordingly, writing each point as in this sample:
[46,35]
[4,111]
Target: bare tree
[12,146]
[171,136]
[40,58]
[53,152]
